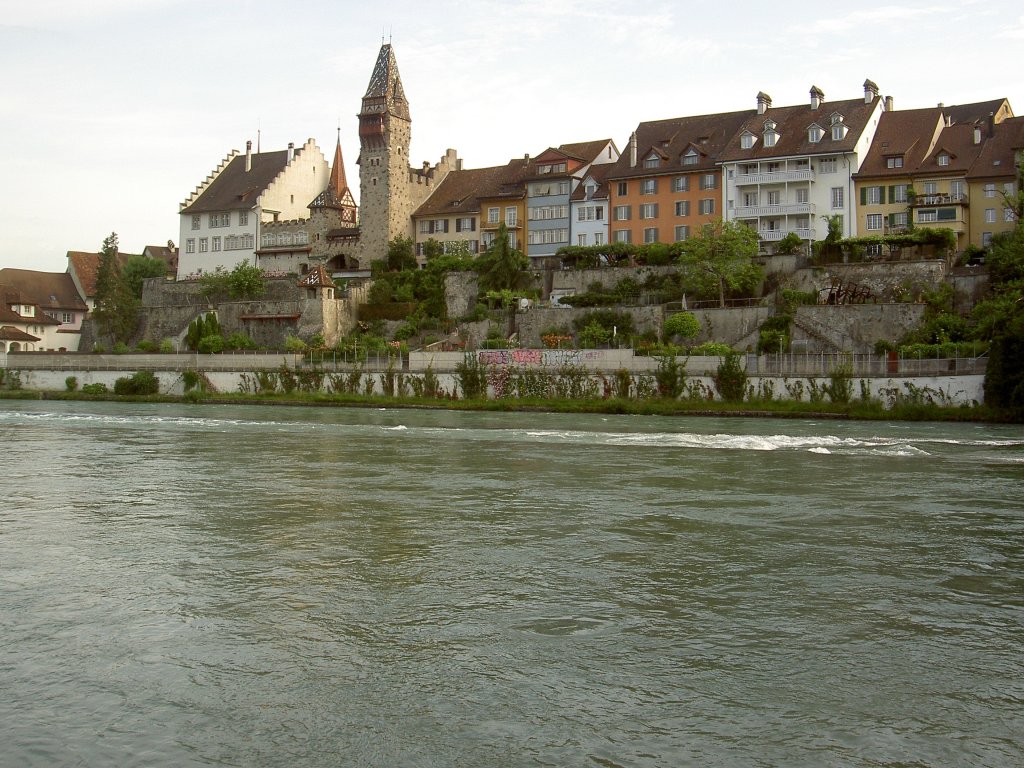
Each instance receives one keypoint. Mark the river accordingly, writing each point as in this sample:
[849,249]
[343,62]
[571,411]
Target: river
[273,586]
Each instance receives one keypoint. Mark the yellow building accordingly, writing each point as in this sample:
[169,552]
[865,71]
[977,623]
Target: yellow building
[994,181]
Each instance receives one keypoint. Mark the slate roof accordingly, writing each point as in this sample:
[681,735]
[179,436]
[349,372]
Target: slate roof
[710,135]
[792,123]
[235,189]
[51,291]
[996,159]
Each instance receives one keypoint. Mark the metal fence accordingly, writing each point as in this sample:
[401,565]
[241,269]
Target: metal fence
[864,365]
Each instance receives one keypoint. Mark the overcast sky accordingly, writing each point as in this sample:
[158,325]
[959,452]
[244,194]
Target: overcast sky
[112,111]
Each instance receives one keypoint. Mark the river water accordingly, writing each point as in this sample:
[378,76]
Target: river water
[273,586]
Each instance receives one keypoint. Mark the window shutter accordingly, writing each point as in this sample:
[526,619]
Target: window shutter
[458,225]
[655,208]
[472,224]
[446,225]
[863,195]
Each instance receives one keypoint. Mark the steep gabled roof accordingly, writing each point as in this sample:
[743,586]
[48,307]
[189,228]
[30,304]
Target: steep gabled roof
[86,267]
[599,173]
[708,134]
[909,134]
[9,295]
[998,152]
[791,126]
[385,88]
[586,151]
[337,194]
[238,189]
[317,276]
[978,111]
[957,143]
[10,333]
[47,290]
[461,190]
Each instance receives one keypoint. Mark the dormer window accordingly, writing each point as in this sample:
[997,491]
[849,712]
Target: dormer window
[814,134]
[895,161]
[770,135]
[691,158]
[747,140]
[943,159]
[839,129]
[652,161]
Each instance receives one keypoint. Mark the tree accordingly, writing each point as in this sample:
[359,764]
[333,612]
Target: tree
[117,308]
[1001,317]
[432,249]
[503,268]
[401,254]
[721,257]
[139,268]
[682,324]
[243,282]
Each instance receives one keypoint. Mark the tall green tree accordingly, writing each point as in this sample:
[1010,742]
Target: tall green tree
[504,270]
[139,268]
[401,254]
[117,308]
[722,258]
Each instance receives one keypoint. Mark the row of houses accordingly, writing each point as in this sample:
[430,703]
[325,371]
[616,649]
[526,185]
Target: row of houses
[778,170]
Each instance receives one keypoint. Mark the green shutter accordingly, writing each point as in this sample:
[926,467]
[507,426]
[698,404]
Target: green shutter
[892,193]
[863,195]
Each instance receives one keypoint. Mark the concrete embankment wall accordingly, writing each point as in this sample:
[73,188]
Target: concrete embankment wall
[228,373]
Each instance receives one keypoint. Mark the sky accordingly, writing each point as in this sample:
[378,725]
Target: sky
[113,111]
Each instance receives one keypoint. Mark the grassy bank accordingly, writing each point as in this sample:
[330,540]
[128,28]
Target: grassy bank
[857,409]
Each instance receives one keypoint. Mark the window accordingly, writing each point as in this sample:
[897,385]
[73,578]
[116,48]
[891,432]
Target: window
[837,197]
[691,158]
[1008,188]
[623,236]
[621,213]
[681,184]
[219,220]
[775,197]
[898,219]
[599,238]
[492,215]
[872,195]
[957,189]
[238,242]
[551,168]
[874,221]
[548,236]
[581,240]
[243,218]
[424,227]
[196,218]
[898,193]
[216,243]
[803,195]
[648,186]
[747,140]
[204,245]
[682,232]
[990,215]
[545,212]
[190,246]
[707,206]
[652,162]
[590,213]
[943,159]
[838,132]
[682,208]
[927,215]
[990,190]
[486,239]
[986,239]
[749,199]
[770,138]
[511,216]
[649,211]
[873,249]
[827,165]
[931,188]
[465,224]
[814,134]
[1008,214]
[651,235]
[708,181]
[621,188]
[896,161]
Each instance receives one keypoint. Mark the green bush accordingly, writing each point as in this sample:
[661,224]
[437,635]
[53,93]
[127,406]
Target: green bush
[120,348]
[731,378]
[71,383]
[166,347]
[670,377]
[682,324]
[239,341]
[147,347]
[139,383]
[294,344]
[190,380]
[213,344]
[95,389]
[711,349]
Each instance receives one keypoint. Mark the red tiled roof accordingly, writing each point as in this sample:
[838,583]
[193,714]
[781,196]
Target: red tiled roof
[86,267]
[599,173]
[47,290]
[10,333]
[996,159]
[909,134]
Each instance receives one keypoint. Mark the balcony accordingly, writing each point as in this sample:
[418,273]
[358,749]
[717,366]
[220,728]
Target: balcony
[942,199]
[779,177]
[488,225]
[753,211]
[773,235]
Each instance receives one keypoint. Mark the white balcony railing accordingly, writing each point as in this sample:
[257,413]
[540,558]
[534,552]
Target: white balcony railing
[772,235]
[779,177]
[753,211]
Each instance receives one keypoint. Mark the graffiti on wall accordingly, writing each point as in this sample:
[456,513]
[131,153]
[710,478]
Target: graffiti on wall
[543,357]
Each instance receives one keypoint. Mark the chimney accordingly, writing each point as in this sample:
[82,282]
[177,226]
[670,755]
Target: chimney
[526,157]
[632,150]
[991,124]
[291,151]
[764,102]
[817,96]
[888,104]
[870,91]
[977,134]
[458,164]
[248,156]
